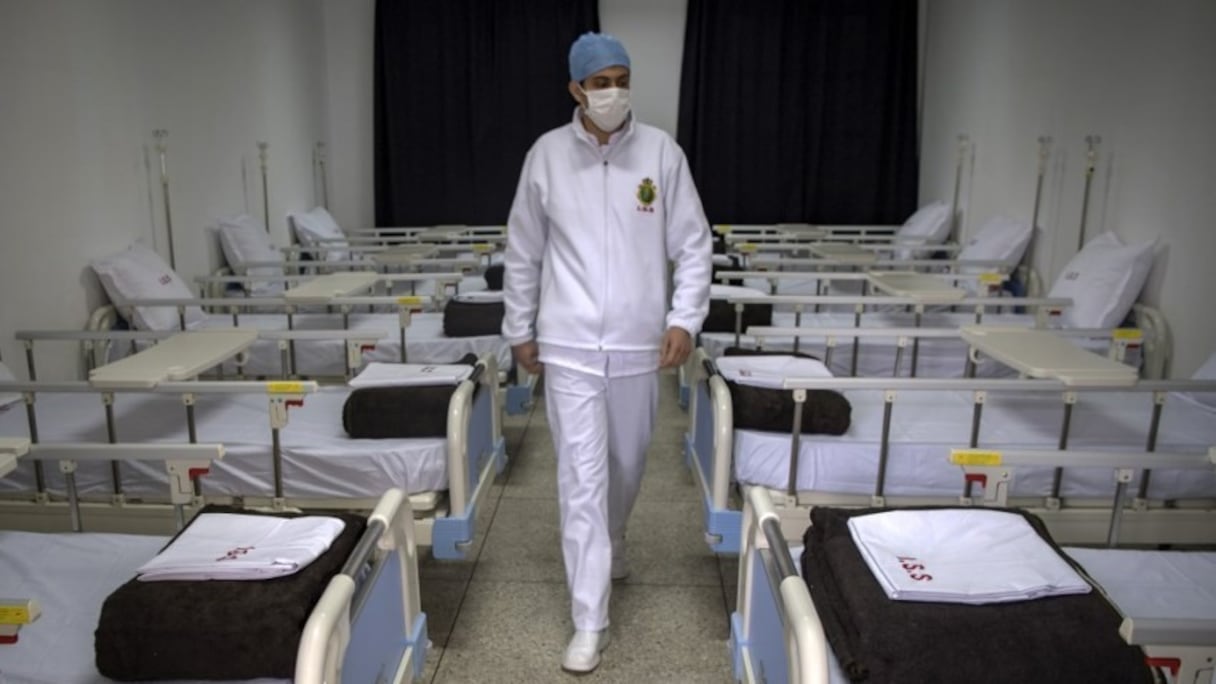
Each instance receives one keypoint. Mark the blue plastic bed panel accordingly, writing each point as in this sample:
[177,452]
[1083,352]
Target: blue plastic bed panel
[765,643]
[378,637]
[722,524]
[452,532]
[519,399]
[726,526]
[685,395]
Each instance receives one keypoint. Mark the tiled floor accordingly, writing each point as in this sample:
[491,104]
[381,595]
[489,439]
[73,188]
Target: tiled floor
[504,616]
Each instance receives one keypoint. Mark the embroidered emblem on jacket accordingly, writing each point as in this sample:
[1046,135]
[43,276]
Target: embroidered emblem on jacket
[647,194]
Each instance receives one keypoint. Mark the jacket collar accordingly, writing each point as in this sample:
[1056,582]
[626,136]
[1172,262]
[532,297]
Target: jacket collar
[581,132]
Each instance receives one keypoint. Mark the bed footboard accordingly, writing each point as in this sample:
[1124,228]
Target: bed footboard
[476,453]
[368,625]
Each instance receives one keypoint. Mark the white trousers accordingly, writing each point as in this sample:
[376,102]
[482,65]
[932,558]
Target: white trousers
[601,429]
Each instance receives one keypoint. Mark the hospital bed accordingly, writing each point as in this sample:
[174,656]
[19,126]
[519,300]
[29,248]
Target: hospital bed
[1166,599]
[313,464]
[367,625]
[913,297]
[899,426]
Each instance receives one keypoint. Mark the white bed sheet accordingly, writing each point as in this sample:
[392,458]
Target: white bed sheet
[424,342]
[319,459]
[70,575]
[937,358]
[924,430]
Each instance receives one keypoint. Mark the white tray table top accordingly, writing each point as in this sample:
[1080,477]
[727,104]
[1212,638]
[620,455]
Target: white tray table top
[844,253]
[1041,354]
[925,288]
[323,288]
[181,357]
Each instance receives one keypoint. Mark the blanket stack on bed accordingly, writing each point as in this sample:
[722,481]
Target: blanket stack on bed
[215,629]
[755,378]
[1073,638]
[401,410]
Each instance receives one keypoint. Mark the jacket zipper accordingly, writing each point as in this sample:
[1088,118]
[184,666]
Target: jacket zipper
[604,226]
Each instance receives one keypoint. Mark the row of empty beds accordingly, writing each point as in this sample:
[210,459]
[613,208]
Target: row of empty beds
[896,430]
[287,441]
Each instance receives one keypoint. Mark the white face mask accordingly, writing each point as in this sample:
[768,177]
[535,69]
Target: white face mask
[607,108]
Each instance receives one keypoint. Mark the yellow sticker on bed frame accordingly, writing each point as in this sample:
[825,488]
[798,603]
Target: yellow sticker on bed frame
[975,457]
[410,300]
[284,387]
[14,612]
[746,247]
[482,248]
[1128,334]
[991,278]
[722,228]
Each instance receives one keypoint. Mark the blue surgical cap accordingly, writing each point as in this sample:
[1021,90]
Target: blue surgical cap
[593,52]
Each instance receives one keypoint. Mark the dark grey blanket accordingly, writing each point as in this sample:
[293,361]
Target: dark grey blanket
[875,639]
[216,629]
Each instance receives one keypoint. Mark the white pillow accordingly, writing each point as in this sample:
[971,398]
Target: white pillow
[7,398]
[1000,239]
[245,240]
[930,225]
[139,273]
[316,225]
[1103,281]
[1206,372]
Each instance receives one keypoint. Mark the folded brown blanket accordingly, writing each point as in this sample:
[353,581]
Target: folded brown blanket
[215,629]
[826,412]
[472,319]
[399,412]
[876,639]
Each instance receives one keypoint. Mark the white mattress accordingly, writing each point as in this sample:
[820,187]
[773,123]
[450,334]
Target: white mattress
[319,459]
[924,430]
[70,575]
[938,358]
[424,342]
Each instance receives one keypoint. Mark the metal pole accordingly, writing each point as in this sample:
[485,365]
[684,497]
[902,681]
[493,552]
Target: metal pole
[161,148]
[963,143]
[262,157]
[320,154]
[1091,157]
[1044,155]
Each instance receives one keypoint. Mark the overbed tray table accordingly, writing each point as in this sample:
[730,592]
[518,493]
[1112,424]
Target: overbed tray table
[1042,354]
[324,288]
[842,253]
[181,357]
[925,288]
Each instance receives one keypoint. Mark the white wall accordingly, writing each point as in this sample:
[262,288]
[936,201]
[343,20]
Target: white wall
[1137,74]
[653,33]
[350,78]
[85,82]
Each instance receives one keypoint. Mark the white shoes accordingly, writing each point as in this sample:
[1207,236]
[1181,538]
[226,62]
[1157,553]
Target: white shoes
[583,653]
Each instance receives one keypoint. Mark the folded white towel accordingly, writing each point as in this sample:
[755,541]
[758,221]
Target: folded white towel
[972,556]
[727,291]
[480,296]
[230,546]
[769,371]
[410,374]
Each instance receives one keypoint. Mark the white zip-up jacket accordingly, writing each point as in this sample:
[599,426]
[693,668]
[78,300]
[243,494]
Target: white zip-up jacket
[589,237]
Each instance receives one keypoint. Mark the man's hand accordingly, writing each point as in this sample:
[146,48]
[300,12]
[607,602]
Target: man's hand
[527,355]
[677,345]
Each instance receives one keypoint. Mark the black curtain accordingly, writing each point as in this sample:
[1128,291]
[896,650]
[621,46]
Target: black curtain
[801,110]
[462,90]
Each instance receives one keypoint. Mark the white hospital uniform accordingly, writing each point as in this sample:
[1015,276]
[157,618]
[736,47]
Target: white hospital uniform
[590,234]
